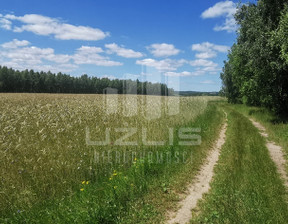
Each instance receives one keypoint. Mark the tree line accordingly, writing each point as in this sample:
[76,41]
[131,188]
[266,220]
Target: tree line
[29,81]
[256,72]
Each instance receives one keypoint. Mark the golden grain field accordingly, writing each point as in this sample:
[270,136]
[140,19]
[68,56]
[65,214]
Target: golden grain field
[43,138]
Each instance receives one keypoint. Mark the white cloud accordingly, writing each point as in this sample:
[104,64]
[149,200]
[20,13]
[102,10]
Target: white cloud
[162,65]
[40,67]
[220,9]
[5,23]
[90,50]
[180,74]
[58,58]
[203,63]
[229,25]
[205,67]
[32,55]
[163,50]
[208,50]
[56,68]
[206,46]
[16,43]
[18,55]
[111,77]
[123,52]
[206,55]
[90,55]
[211,70]
[225,9]
[43,25]
[208,82]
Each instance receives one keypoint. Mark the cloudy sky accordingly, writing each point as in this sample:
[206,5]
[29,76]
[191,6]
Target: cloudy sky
[182,43]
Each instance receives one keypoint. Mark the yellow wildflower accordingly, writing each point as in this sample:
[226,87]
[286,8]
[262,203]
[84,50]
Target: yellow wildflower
[115,187]
[82,189]
[83,182]
[87,182]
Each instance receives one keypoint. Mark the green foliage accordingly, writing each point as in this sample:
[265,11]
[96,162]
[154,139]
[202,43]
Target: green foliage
[12,81]
[256,72]
[276,127]
[279,37]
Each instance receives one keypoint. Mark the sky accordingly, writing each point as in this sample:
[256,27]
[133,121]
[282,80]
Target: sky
[181,43]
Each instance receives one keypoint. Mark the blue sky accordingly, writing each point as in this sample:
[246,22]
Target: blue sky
[182,43]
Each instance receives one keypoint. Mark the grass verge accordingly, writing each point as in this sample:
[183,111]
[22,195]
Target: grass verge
[246,187]
[276,127]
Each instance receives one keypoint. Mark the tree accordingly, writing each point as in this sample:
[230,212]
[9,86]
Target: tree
[256,70]
[30,81]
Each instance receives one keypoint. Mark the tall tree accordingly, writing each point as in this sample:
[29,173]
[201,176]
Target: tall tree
[255,72]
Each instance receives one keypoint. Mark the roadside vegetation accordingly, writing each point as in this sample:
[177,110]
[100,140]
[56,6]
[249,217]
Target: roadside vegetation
[276,126]
[256,70]
[246,186]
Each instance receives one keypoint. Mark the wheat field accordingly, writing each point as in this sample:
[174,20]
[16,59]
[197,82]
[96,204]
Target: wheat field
[45,153]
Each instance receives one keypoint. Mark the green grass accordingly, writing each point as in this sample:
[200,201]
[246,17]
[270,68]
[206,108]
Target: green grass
[277,128]
[246,187]
[164,190]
